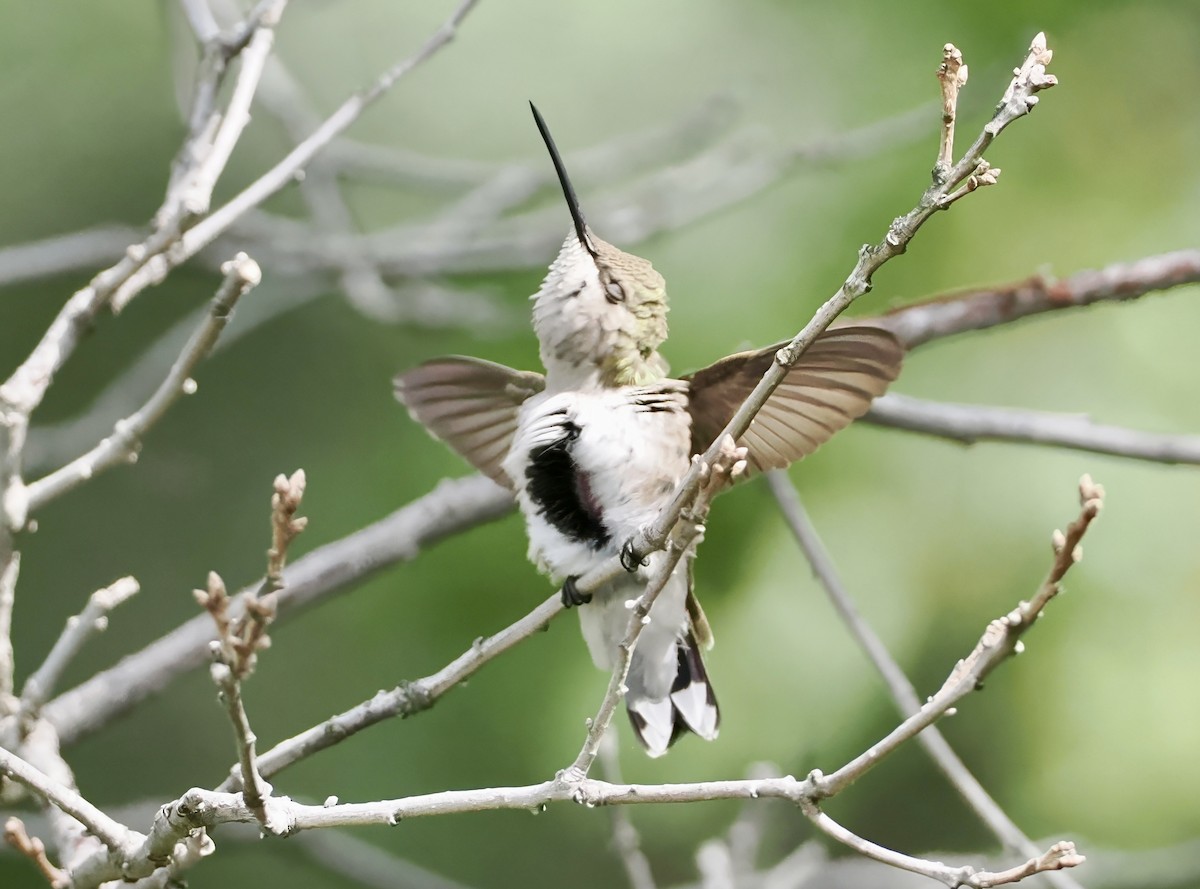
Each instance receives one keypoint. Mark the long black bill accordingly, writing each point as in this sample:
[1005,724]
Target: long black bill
[563,180]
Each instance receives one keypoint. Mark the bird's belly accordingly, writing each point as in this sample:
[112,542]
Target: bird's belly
[614,463]
[632,460]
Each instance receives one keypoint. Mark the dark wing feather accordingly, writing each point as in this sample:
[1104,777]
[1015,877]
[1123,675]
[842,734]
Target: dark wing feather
[832,384]
[469,404]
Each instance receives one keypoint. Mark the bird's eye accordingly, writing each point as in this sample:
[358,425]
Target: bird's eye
[614,293]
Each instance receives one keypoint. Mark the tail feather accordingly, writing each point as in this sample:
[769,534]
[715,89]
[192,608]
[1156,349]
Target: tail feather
[692,694]
[690,706]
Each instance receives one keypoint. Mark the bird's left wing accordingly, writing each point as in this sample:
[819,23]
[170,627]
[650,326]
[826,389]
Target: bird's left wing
[471,405]
[832,384]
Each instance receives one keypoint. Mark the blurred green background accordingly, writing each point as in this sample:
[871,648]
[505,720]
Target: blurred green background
[1092,733]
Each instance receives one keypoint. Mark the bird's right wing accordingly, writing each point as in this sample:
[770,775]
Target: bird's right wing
[832,384]
[471,405]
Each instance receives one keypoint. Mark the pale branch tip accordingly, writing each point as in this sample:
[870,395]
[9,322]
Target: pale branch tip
[902,230]
[286,526]
[903,694]
[35,850]
[79,628]
[952,74]
[283,173]
[121,446]
[114,835]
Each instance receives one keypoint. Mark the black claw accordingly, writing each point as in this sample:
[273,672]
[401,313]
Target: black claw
[571,595]
[630,560]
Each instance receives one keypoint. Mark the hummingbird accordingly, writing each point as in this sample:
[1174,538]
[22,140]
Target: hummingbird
[593,447]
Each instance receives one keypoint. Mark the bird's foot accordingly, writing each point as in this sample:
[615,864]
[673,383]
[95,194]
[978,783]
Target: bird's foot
[571,595]
[631,559]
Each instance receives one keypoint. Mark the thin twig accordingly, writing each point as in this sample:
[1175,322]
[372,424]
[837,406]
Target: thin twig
[26,387]
[714,473]
[60,254]
[733,169]
[206,809]
[745,834]
[970,424]
[406,699]
[626,842]
[359,278]
[452,507]
[241,275]
[1018,100]
[202,233]
[981,309]
[115,836]
[10,569]
[255,790]
[93,619]
[1060,855]
[196,195]
[952,74]
[366,864]
[1001,640]
[35,850]
[903,694]
[240,639]
[200,808]
[233,658]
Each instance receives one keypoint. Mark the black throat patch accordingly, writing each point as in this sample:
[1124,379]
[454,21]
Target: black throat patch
[562,493]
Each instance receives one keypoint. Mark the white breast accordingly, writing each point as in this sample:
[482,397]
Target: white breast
[632,448]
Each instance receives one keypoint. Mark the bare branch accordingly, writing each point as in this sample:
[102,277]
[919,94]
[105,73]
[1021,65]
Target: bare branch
[202,233]
[65,253]
[195,194]
[200,19]
[200,808]
[241,275]
[1018,100]
[234,652]
[93,619]
[115,836]
[980,309]
[903,694]
[404,700]
[10,569]
[626,842]
[1001,639]
[359,278]
[451,507]
[240,639]
[1059,856]
[255,790]
[56,443]
[731,170]
[24,390]
[970,424]
[366,864]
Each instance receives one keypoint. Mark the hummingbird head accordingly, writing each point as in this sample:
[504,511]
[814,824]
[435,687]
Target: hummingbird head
[601,313]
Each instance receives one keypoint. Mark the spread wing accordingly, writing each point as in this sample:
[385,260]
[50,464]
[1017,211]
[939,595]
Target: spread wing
[832,384]
[469,404]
